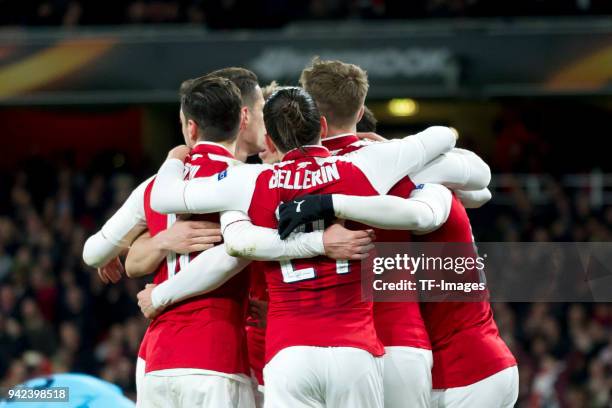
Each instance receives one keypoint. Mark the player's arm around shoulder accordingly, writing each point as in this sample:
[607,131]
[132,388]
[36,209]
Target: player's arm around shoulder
[458,169]
[385,163]
[426,209]
[230,189]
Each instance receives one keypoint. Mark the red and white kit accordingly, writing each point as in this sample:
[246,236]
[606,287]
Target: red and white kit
[203,336]
[472,367]
[408,358]
[314,304]
[399,325]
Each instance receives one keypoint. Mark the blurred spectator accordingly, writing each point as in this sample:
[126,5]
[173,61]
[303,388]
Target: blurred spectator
[229,14]
[55,315]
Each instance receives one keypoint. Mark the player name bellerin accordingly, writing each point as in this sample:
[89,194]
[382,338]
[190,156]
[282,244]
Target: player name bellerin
[304,179]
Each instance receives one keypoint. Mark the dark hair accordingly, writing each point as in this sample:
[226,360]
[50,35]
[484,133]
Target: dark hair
[368,121]
[292,118]
[214,104]
[244,79]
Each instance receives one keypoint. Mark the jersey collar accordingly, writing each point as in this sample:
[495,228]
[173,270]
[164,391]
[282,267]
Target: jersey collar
[211,148]
[307,151]
[339,142]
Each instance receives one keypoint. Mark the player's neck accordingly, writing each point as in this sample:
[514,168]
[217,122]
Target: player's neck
[231,146]
[332,131]
[240,150]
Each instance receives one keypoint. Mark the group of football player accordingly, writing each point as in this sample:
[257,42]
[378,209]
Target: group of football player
[257,297]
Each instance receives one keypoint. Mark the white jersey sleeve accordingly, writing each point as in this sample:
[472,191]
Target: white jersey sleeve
[206,272]
[246,240]
[119,231]
[458,169]
[426,210]
[231,189]
[385,163]
[474,199]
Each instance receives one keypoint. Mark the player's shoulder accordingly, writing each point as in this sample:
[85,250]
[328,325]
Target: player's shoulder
[243,171]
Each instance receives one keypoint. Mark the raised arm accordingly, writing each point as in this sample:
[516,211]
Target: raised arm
[119,231]
[385,163]
[427,209]
[231,189]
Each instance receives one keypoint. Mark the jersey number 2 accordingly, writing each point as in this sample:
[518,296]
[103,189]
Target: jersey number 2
[291,275]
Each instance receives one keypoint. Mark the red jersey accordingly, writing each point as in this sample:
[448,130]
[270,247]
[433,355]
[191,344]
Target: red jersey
[397,323]
[313,302]
[204,332]
[465,340]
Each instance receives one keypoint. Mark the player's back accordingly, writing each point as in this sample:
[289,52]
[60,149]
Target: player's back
[317,301]
[215,339]
[464,337]
[397,323]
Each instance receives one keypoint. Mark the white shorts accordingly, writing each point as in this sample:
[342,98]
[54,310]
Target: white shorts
[339,377]
[407,377]
[195,390]
[497,391]
[140,373]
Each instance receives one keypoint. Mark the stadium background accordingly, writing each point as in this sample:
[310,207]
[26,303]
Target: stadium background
[87,110]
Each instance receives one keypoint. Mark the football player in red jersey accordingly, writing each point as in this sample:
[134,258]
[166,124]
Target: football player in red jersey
[340,89]
[400,325]
[181,237]
[296,318]
[473,367]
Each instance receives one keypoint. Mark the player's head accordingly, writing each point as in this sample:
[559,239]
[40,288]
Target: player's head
[292,120]
[210,110]
[252,129]
[339,89]
[368,121]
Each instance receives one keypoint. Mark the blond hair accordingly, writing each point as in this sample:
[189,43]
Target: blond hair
[270,89]
[338,88]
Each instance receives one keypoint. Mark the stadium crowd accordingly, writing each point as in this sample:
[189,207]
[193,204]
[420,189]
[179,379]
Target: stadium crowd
[224,14]
[56,315]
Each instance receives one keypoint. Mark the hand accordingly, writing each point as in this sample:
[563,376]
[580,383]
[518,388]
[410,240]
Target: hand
[186,236]
[371,136]
[258,310]
[112,271]
[342,243]
[179,152]
[302,210]
[145,303]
